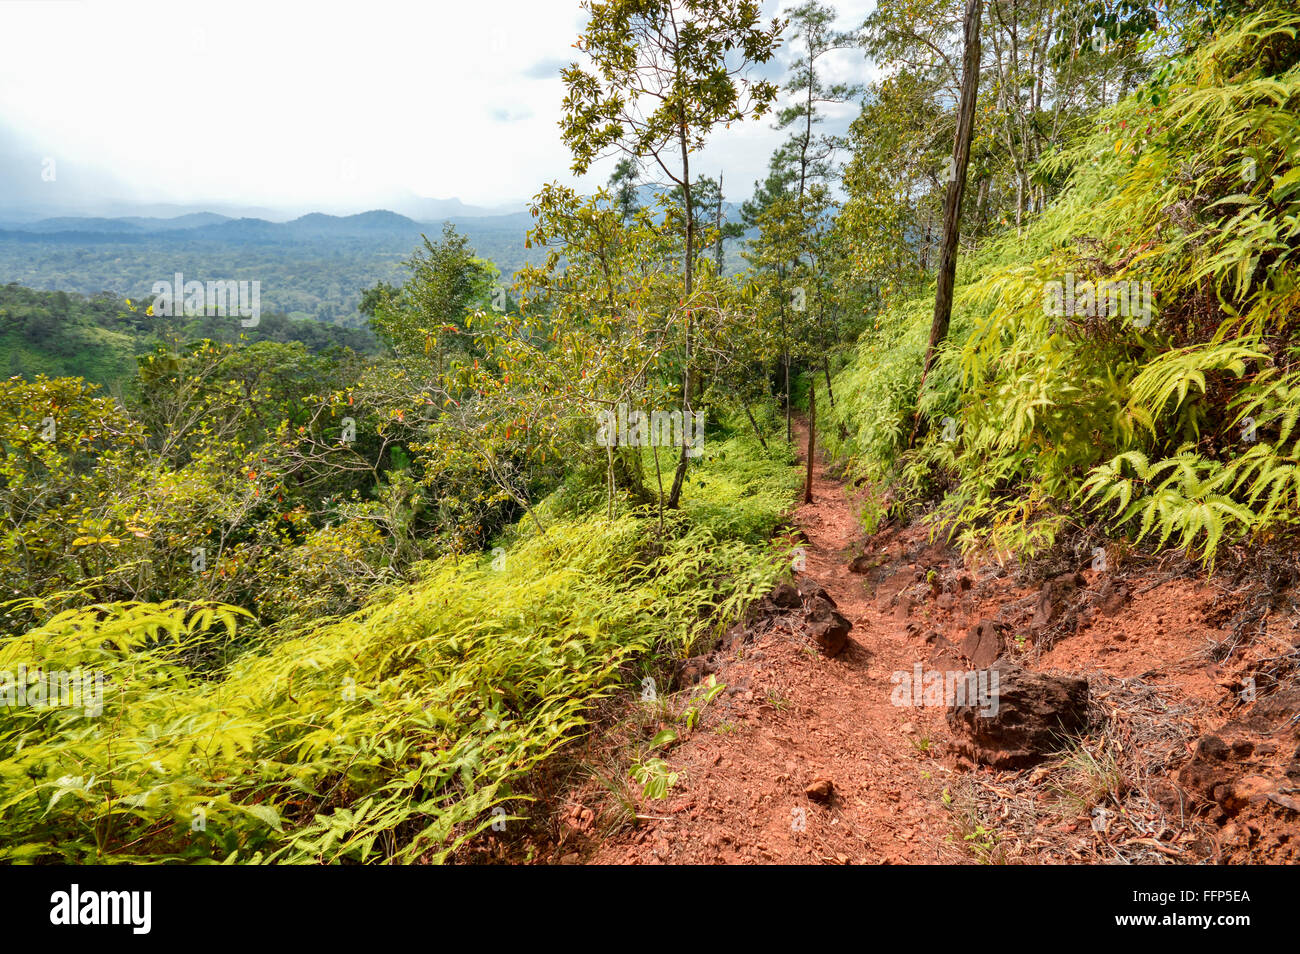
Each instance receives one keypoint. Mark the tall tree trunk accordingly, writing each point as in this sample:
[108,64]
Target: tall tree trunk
[719,252]
[609,482]
[812,439]
[956,185]
[807,133]
[679,478]
[788,435]
[754,424]
[659,475]
[826,369]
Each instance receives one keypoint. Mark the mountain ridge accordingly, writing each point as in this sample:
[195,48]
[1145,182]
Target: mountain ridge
[311,223]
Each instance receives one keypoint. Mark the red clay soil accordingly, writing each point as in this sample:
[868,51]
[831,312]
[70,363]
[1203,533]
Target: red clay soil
[804,758]
[791,717]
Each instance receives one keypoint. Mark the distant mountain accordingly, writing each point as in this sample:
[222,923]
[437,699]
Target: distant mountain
[422,209]
[314,225]
[125,224]
[314,266]
[191,221]
[73,223]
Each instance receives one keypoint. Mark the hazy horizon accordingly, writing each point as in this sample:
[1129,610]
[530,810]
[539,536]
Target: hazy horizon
[252,110]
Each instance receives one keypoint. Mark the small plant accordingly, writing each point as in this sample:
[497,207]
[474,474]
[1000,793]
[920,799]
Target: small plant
[691,716]
[973,831]
[662,738]
[983,843]
[654,777]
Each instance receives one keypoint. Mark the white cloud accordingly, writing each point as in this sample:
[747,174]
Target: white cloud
[327,105]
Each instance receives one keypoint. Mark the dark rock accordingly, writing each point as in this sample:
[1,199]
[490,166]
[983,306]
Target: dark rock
[1031,715]
[944,654]
[1277,708]
[1231,768]
[785,596]
[1112,595]
[983,643]
[734,638]
[811,591]
[1212,748]
[864,563]
[692,670]
[1053,597]
[1168,795]
[1219,772]
[828,627]
[1209,770]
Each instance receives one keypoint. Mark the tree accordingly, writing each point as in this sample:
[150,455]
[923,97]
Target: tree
[711,223]
[663,74]
[622,185]
[793,258]
[811,156]
[789,206]
[588,339]
[426,318]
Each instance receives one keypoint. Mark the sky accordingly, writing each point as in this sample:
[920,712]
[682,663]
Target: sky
[330,105]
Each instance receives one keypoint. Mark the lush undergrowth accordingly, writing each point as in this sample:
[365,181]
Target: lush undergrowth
[260,547]
[388,735]
[1175,425]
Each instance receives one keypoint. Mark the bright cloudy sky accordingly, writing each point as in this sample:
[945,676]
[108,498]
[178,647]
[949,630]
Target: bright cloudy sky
[321,104]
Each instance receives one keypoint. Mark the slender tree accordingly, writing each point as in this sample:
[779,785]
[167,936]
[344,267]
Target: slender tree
[956,185]
[809,155]
[622,186]
[662,74]
[812,439]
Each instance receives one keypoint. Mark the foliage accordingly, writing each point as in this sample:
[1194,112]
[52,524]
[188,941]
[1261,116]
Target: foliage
[388,735]
[1179,423]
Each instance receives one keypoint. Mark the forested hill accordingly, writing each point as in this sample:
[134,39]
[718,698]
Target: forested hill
[315,266]
[100,338]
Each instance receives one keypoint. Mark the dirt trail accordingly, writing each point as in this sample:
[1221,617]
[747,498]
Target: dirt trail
[1185,763]
[790,716]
